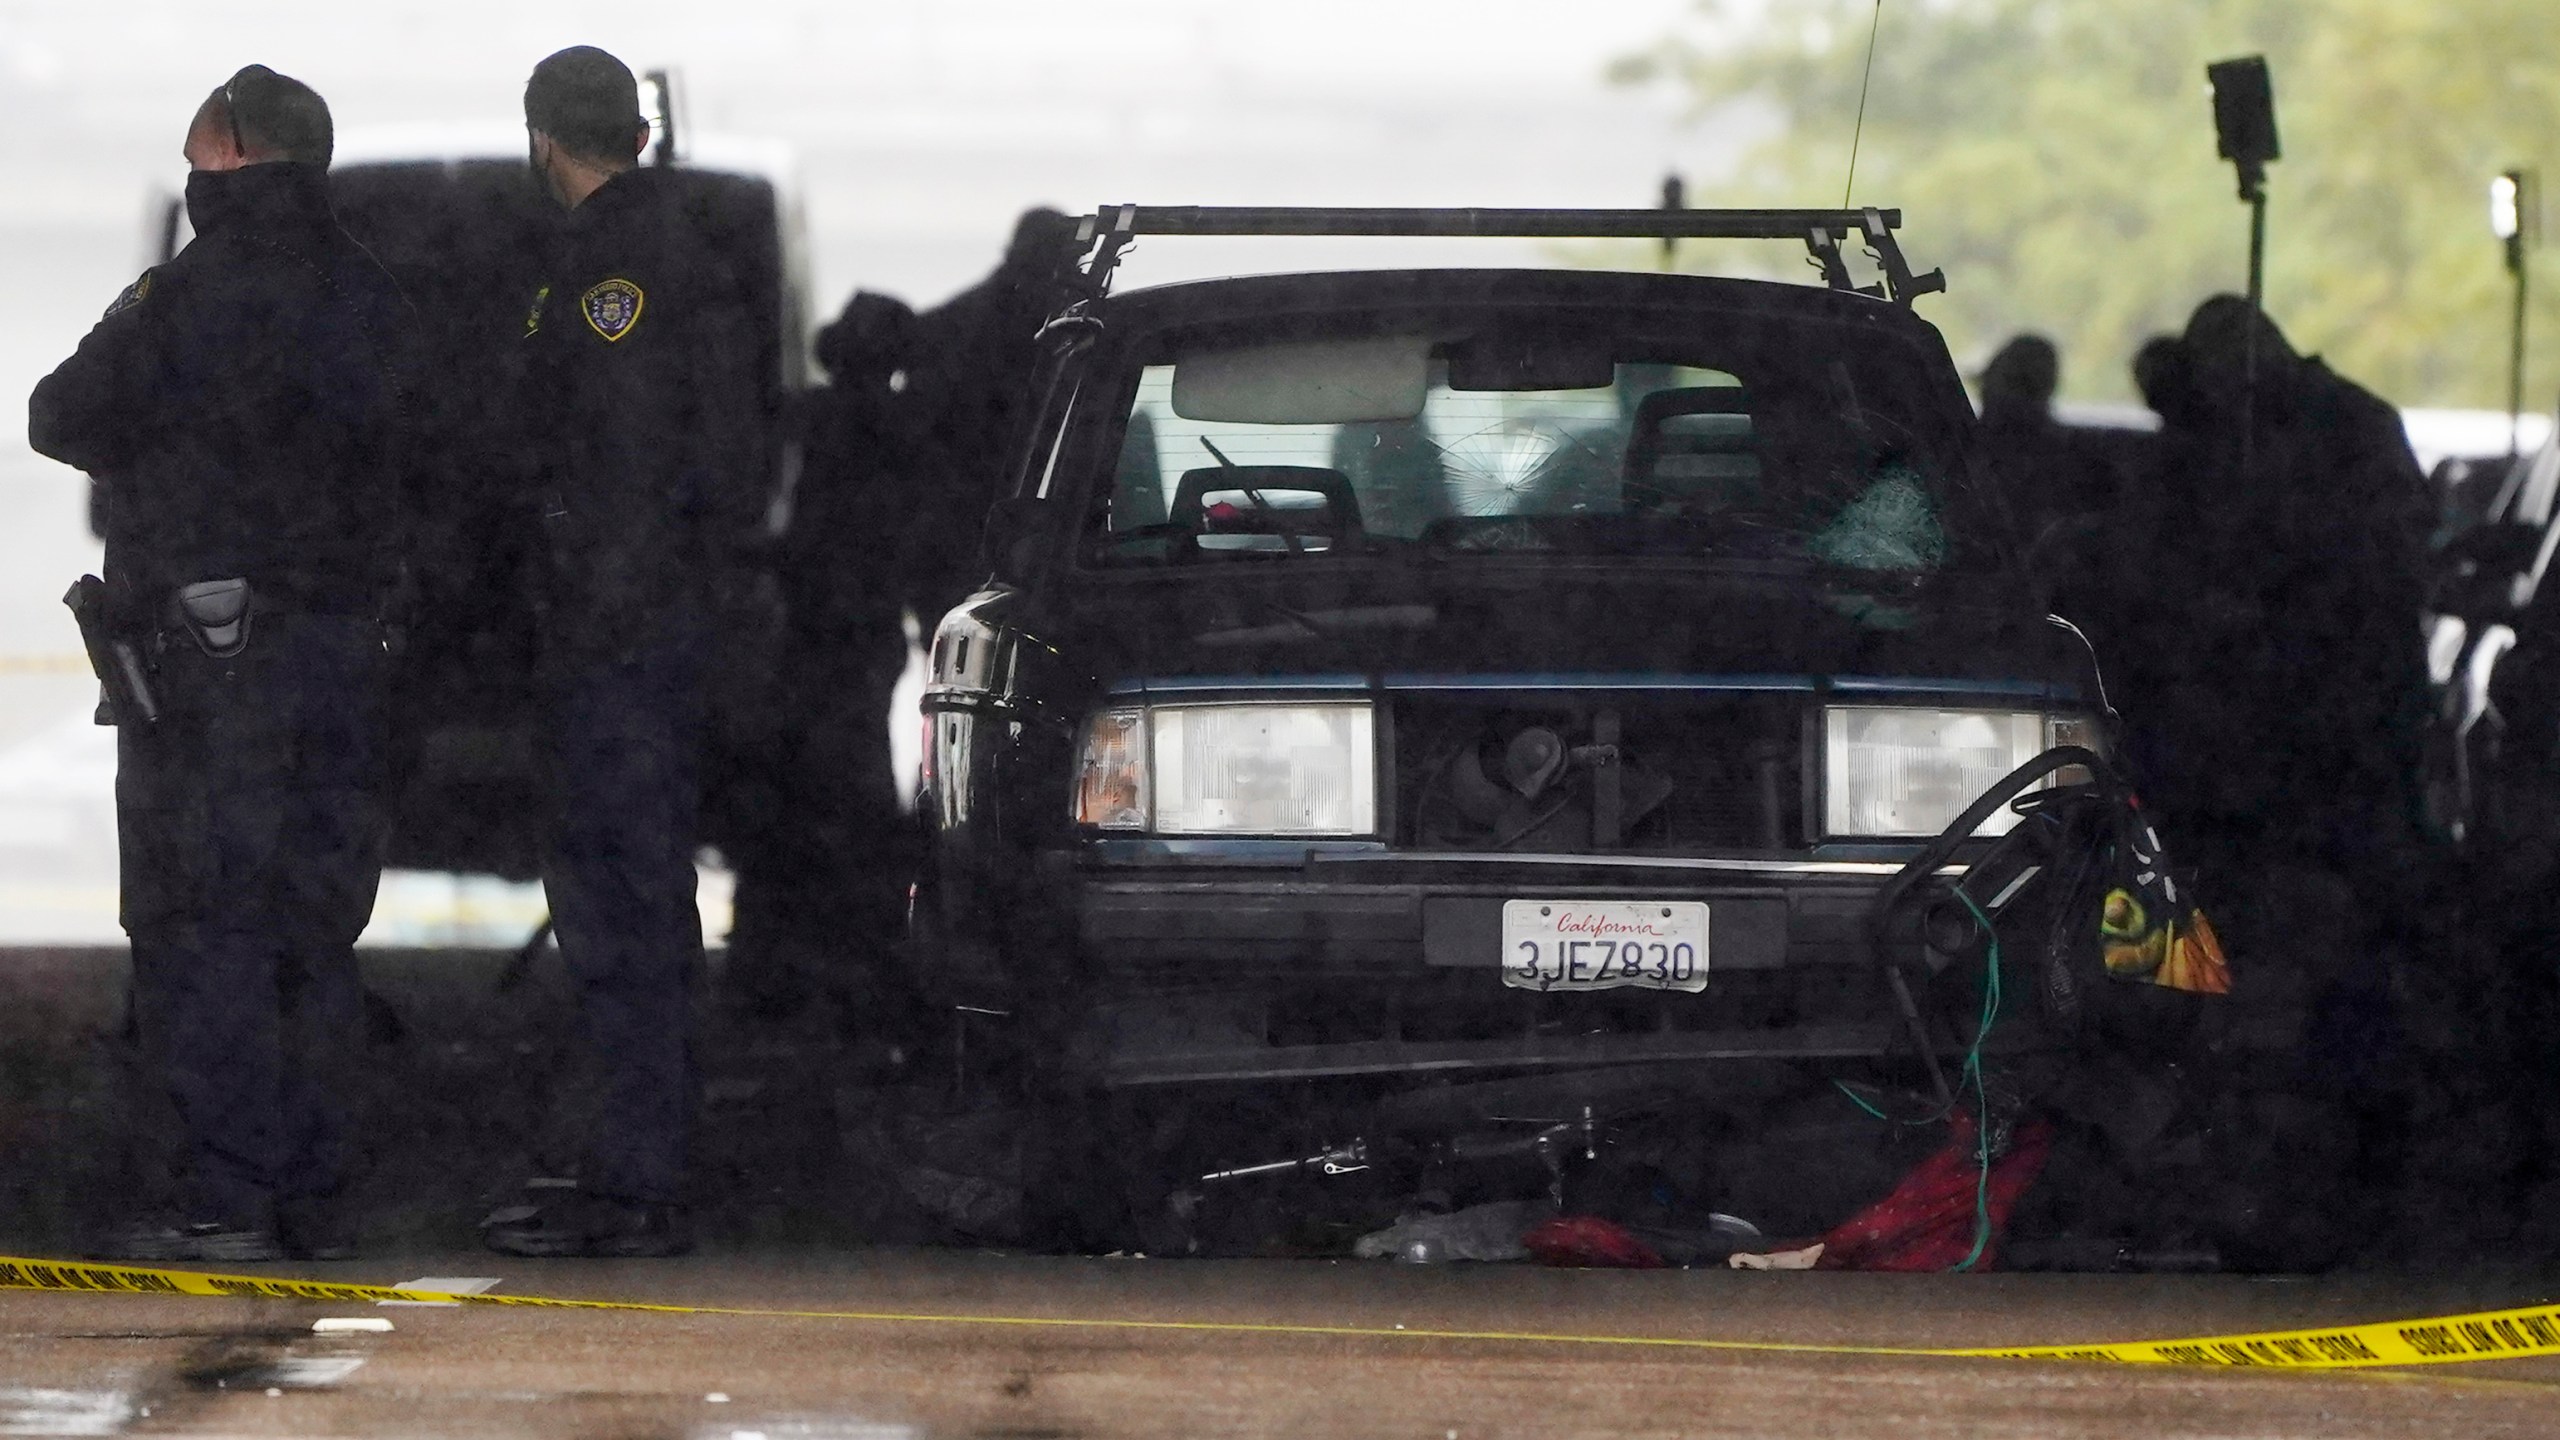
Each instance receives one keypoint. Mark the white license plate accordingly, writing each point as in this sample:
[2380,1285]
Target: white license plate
[1604,944]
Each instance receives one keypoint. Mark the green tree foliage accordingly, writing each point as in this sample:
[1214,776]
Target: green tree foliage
[2057,156]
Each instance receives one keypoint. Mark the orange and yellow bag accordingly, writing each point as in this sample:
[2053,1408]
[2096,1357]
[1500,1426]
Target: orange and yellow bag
[2149,928]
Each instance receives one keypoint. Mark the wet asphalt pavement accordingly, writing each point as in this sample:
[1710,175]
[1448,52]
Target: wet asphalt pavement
[108,1364]
[797,1212]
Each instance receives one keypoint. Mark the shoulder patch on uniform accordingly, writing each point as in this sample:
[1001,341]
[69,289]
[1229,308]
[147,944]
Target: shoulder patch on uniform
[612,307]
[533,315]
[132,295]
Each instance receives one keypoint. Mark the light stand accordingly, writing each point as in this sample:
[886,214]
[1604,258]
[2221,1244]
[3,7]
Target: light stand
[2514,207]
[1675,197]
[2244,128]
[2253,188]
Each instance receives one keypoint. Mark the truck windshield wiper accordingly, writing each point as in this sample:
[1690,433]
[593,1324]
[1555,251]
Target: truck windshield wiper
[1287,536]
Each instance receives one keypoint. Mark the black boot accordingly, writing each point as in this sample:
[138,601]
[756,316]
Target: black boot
[195,1241]
[316,1228]
[576,1224]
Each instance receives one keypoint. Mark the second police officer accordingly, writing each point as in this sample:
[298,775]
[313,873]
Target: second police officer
[634,354]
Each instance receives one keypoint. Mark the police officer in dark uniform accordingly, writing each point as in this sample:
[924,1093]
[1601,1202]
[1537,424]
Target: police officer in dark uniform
[639,360]
[245,402]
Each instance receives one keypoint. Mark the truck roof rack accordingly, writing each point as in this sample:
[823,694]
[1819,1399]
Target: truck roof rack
[1110,228]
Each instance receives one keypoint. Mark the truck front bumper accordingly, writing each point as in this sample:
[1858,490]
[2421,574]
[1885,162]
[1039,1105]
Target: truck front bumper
[1378,961]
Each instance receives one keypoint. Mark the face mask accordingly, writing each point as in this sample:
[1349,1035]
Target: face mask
[212,198]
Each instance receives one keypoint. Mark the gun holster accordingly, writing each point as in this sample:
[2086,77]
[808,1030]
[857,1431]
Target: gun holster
[217,613]
[122,668]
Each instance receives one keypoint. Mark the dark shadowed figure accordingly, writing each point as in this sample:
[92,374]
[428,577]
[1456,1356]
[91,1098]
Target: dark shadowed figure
[2522,877]
[2275,697]
[820,893]
[979,360]
[2301,561]
[2026,450]
[2018,386]
[2140,610]
[2057,483]
[2165,376]
[907,449]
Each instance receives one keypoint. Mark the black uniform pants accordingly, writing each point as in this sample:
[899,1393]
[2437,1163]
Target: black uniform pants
[624,747]
[250,825]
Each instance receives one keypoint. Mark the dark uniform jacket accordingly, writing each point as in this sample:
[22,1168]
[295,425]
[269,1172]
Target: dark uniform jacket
[243,405]
[641,414]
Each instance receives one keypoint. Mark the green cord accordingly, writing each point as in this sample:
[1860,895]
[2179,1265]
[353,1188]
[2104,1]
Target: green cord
[1981,1098]
[1860,1101]
[1982,1101]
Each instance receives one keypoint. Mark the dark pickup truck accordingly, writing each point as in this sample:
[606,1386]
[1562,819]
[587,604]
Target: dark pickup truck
[1499,695]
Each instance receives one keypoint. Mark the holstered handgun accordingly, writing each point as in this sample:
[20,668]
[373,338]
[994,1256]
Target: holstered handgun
[117,660]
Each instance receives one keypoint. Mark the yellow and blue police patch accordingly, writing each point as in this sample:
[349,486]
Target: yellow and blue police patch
[612,308]
[132,295]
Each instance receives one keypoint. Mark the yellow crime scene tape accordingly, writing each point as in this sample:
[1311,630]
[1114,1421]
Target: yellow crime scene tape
[2447,1339]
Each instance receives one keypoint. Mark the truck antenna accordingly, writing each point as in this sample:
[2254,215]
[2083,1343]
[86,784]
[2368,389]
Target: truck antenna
[1859,130]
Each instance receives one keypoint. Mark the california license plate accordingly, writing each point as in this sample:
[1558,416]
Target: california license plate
[1604,945]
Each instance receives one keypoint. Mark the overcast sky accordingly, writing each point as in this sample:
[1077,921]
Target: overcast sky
[923,126]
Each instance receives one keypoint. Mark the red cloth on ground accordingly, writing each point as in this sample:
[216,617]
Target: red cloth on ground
[1927,1223]
[1589,1242]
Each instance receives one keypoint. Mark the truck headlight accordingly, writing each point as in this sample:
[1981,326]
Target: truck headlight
[1898,771]
[1111,776]
[1244,769]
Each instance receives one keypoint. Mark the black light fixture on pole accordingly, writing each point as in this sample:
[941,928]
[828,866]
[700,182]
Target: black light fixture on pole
[2244,126]
[2515,205]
